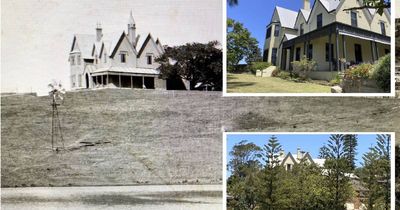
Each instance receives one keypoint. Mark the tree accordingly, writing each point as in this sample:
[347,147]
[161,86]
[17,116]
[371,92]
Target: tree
[336,165]
[369,177]
[270,177]
[350,149]
[382,150]
[243,183]
[196,62]
[240,45]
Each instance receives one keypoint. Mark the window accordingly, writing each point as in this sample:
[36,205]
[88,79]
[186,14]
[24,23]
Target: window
[265,58]
[268,33]
[309,51]
[277,29]
[149,59]
[123,57]
[354,18]
[95,59]
[319,21]
[358,53]
[383,30]
[288,167]
[297,54]
[72,59]
[387,51]
[301,29]
[80,80]
[273,58]
[78,59]
[105,57]
[73,80]
[327,52]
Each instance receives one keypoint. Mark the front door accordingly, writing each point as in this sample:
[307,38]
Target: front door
[87,81]
[358,53]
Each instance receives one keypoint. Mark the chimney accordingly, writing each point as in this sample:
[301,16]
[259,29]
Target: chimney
[99,32]
[306,5]
[298,153]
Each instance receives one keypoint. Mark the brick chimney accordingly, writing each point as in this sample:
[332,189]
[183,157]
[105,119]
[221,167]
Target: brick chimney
[306,5]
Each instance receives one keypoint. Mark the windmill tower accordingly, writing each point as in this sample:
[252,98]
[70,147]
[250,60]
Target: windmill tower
[57,96]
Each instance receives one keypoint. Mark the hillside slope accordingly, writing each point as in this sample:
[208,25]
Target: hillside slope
[160,137]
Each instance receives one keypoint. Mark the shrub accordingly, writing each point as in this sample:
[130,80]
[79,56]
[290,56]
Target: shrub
[303,67]
[258,66]
[361,71]
[381,74]
[275,72]
[335,80]
[284,75]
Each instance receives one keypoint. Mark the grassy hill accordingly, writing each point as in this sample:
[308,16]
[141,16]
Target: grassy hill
[160,137]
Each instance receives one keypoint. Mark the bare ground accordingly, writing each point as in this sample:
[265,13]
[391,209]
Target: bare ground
[120,137]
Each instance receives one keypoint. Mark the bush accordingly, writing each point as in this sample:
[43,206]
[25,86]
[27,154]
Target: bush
[275,72]
[258,66]
[303,67]
[335,80]
[361,71]
[284,75]
[381,74]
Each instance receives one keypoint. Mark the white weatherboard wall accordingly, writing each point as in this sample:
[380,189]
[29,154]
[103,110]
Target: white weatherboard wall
[131,58]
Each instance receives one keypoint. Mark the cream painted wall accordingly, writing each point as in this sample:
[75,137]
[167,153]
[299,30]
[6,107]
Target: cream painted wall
[375,24]
[301,20]
[326,17]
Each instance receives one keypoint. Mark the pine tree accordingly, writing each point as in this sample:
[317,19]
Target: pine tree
[336,165]
[369,178]
[271,173]
[350,149]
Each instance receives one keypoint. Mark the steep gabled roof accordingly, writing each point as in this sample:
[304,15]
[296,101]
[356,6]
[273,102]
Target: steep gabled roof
[286,17]
[330,5]
[85,43]
[290,36]
[121,38]
[145,43]
[305,13]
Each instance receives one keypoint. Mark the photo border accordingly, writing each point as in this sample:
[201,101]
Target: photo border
[392,160]
[392,66]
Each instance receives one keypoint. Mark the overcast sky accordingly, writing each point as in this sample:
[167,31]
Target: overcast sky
[37,34]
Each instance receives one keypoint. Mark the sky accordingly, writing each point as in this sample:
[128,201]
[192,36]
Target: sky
[37,34]
[256,14]
[307,142]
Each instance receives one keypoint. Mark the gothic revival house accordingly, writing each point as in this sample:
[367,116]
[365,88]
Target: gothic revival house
[328,34]
[123,60]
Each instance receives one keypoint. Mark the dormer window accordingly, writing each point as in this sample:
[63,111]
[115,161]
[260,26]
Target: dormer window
[319,21]
[353,18]
[277,29]
[301,28]
[123,57]
[149,59]
[288,167]
[383,29]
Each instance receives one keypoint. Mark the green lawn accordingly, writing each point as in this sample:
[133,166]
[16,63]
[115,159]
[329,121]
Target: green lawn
[248,83]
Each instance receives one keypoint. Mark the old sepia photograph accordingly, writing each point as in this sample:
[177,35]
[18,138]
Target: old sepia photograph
[104,104]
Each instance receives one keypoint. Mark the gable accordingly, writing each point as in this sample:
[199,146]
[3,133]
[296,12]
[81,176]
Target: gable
[286,17]
[364,17]
[317,9]
[123,44]
[149,43]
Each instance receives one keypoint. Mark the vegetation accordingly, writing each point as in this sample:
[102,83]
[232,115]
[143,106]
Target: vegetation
[253,185]
[196,62]
[358,72]
[381,74]
[303,67]
[254,66]
[240,45]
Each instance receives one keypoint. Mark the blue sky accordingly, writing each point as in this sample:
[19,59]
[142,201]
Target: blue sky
[256,14]
[307,142]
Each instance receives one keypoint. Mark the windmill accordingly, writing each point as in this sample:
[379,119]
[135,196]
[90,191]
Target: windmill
[57,96]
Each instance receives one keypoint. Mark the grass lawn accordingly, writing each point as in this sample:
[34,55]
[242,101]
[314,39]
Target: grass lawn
[248,83]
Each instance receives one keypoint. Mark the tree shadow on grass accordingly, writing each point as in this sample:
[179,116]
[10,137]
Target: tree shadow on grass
[240,84]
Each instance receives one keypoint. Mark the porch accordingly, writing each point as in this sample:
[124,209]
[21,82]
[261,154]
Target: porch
[335,47]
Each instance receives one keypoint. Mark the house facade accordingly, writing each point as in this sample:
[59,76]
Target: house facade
[121,60]
[327,33]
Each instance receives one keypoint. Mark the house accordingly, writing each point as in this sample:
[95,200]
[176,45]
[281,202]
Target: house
[290,159]
[123,60]
[327,33]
